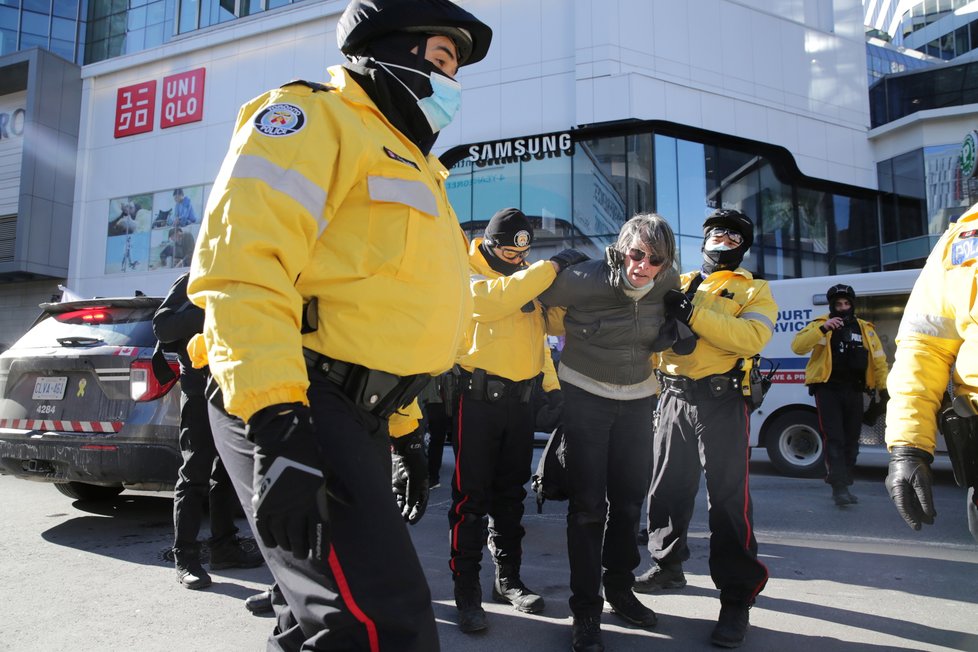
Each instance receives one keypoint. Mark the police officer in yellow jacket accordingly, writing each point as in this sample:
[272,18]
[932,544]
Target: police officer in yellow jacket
[494,440]
[847,360]
[937,343]
[703,424]
[334,277]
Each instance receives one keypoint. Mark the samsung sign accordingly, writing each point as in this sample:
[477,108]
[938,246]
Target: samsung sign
[521,149]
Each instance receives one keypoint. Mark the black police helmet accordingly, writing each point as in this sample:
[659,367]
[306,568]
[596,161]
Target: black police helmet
[840,290]
[366,20]
[731,219]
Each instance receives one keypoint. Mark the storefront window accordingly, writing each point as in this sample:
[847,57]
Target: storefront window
[580,196]
[775,245]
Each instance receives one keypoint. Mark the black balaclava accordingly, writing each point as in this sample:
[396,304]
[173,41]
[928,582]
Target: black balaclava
[846,315]
[389,94]
[714,261]
[507,228]
[837,292]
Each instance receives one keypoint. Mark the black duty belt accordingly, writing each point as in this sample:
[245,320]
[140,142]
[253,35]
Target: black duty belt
[378,392]
[479,384]
[715,385]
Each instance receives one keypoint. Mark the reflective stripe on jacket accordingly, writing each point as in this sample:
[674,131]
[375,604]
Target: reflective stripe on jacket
[938,330]
[733,315]
[503,340]
[320,197]
[819,368]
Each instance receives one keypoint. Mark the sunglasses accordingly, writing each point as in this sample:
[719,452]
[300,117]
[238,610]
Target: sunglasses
[638,256]
[513,255]
[719,232]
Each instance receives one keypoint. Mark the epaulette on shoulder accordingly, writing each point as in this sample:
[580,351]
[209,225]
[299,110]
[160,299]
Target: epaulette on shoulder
[315,86]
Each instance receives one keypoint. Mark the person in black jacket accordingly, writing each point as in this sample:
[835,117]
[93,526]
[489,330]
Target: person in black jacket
[615,321]
[202,476]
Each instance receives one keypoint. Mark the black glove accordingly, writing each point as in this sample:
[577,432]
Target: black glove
[678,306]
[568,257]
[289,481]
[409,475]
[910,483]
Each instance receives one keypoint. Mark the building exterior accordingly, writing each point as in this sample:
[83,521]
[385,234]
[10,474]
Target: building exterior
[583,114]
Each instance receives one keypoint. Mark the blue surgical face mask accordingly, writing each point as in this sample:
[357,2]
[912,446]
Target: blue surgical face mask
[444,102]
[717,246]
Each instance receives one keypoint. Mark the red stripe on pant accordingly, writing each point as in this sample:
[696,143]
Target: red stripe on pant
[351,604]
[458,483]
[747,520]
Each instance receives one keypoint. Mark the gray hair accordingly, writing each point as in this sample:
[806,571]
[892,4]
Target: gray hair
[654,232]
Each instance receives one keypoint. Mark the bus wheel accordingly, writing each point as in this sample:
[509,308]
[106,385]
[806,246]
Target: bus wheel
[794,444]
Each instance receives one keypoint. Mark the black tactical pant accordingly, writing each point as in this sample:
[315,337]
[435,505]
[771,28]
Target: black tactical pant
[697,430]
[493,453]
[609,445]
[439,423]
[202,477]
[840,412]
[372,593]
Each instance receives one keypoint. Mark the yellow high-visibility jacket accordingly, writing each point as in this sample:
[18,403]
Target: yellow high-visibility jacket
[321,197]
[938,331]
[733,315]
[819,368]
[502,339]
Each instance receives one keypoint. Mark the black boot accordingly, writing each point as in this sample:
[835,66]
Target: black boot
[189,571]
[509,588]
[624,603]
[841,495]
[468,599]
[660,576]
[731,627]
[231,553]
[587,634]
[260,603]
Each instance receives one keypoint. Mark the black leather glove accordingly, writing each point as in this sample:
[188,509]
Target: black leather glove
[568,257]
[289,482]
[910,484]
[409,475]
[678,306]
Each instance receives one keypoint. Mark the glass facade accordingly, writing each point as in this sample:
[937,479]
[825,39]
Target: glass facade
[116,27]
[932,194]
[48,24]
[581,195]
[882,60]
[900,95]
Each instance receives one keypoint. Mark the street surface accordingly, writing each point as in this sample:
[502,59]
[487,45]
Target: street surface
[96,577]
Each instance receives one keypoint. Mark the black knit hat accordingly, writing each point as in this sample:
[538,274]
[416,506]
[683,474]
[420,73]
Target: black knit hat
[509,228]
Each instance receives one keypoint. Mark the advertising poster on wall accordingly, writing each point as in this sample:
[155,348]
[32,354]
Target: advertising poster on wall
[153,231]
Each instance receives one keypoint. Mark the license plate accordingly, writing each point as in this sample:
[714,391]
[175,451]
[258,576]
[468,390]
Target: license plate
[50,388]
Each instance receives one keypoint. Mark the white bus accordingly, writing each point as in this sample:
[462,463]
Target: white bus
[786,423]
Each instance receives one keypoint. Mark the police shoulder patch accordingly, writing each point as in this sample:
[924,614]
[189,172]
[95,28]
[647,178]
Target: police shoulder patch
[964,250]
[278,120]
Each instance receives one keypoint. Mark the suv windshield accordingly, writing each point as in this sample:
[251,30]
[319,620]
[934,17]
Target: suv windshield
[115,326]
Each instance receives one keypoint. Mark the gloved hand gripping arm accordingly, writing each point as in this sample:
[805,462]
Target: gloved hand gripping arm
[289,481]
[678,306]
[409,475]
[567,257]
[910,485]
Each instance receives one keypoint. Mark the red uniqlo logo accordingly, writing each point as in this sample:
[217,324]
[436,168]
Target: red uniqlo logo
[183,99]
[134,109]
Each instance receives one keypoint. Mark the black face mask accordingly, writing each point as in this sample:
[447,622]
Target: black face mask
[384,86]
[504,267]
[714,261]
[844,315]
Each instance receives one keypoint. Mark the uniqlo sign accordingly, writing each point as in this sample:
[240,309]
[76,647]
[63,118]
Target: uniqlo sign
[183,99]
[135,107]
